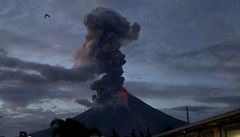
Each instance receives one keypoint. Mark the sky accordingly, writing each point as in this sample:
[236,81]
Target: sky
[187,54]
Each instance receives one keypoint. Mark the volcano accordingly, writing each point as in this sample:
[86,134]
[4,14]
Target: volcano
[137,115]
[107,32]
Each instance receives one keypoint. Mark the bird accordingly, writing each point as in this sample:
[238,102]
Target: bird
[47,16]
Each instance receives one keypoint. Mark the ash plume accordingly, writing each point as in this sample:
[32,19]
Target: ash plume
[107,32]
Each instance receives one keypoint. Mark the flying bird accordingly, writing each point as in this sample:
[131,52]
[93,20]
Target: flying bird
[47,16]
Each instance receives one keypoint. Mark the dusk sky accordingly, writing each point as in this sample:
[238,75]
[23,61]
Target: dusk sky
[187,54]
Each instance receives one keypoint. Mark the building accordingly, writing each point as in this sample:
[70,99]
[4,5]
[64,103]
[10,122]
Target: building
[224,125]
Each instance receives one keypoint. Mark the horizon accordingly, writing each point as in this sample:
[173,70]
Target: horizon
[186,54]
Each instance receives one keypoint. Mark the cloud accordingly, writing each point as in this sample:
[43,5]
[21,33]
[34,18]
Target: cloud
[85,103]
[193,108]
[21,95]
[202,94]
[28,120]
[2,52]
[219,62]
[231,101]
[13,69]
[31,106]
[151,90]
[220,58]
[196,113]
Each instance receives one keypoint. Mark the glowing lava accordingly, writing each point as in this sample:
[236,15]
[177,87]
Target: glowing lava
[122,92]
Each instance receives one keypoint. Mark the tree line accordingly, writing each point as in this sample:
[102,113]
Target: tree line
[74,128]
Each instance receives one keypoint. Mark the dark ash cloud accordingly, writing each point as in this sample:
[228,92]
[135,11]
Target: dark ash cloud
[108,30]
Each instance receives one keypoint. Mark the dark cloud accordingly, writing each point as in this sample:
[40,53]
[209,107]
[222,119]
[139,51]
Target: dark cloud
[151,90]
[38,40]
[2,52]
[13,40]
[20,95]
[85,103]
[193,108]
[197,113]
[183,26]
[197,93]
[231,101]
[219,62]
[16,75]
[220,58]
[45,73]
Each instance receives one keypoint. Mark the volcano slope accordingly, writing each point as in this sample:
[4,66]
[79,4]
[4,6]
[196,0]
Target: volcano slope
[138,115]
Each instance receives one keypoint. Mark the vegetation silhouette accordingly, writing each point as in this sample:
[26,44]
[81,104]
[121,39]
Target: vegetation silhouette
[72,128]
[169,127]
[114,133]
[133,134]
[148,133]
[141,133]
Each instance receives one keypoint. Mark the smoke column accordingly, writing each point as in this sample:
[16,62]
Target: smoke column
[107,32]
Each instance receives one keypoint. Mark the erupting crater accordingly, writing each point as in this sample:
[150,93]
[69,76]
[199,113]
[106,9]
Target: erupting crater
[122,92]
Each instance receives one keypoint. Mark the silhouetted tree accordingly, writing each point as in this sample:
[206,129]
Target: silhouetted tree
[72,128]
[114,133]
[94,131]
[133,134]
[59,127]
[141,133]
[169,127]
[148,133]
